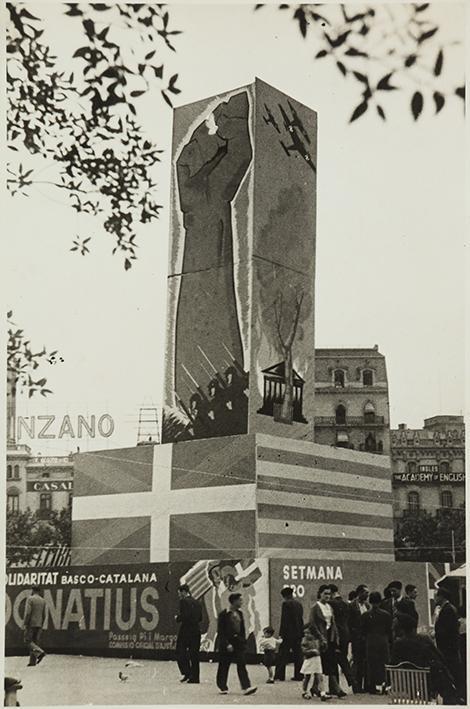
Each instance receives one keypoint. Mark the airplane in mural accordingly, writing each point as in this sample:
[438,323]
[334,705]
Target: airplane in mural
[293,125]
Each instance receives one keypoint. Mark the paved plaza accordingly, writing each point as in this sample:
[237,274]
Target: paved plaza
[62,680]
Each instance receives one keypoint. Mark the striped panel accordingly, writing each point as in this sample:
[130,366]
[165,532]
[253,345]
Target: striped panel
[321,554]
[213,535]
[229,460]
[325,502]
[113,471]
[111,541]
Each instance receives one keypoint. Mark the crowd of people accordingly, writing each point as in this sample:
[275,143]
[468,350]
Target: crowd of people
[358,636]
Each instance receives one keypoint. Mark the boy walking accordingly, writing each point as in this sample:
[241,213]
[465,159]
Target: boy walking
[269,645]
[231,636]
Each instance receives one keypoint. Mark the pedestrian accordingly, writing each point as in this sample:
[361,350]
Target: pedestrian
[352,595]
[290,631]
[323,626]
[232,645]
[341,616]
[357,608]
[408,646]
[188,641]
[407,605]
[377,631]
[446,629]
[269,645]
[392,598]
[312,667]
[35,613]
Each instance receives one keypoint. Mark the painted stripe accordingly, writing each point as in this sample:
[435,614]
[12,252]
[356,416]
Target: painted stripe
[294,541]
[318,450]
[316,529]
[156,504]
[311,473]
[321,554]
[311,461]
[310,481]
[332,504]
[324,516]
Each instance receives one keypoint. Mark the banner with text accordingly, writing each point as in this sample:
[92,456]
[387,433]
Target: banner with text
[130,610]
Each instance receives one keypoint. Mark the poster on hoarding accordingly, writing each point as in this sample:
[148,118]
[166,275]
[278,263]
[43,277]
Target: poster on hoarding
[306,576]
[130,609]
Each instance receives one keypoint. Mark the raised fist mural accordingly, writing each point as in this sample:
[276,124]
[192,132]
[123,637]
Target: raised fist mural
[210,169]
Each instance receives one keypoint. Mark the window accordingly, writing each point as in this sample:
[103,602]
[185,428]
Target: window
[444,467]
[339,378]
[413,501]
[16,472]
[13,502]
[412,467]
[45,501]
[370,444]
[342,440]
[369,413]
[367,377]
[340,414]
[446,498]
[9,471]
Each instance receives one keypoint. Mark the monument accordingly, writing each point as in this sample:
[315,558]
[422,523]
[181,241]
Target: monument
[238,474]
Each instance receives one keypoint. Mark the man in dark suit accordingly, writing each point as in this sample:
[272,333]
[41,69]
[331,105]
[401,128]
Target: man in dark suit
[357,608]
[291,631]
[406,604]
[341,616]
[390,604]
[189,636]
[231,636]
[446,629]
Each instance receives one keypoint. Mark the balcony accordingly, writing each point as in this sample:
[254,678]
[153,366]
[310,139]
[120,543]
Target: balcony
[350,421]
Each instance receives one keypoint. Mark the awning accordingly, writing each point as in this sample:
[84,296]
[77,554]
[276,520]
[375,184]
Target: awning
[455,574]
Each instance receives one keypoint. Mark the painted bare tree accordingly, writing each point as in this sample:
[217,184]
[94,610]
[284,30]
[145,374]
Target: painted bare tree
[286,340]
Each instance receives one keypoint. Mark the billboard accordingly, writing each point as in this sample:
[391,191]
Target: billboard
[305,576]
[130,610]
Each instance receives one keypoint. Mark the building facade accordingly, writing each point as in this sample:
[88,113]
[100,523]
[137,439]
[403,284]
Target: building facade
[351,399]
[39,483]
[428,467]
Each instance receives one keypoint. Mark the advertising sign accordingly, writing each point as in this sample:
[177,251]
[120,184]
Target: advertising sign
[130,610]
[305,576]
[429,477]
[49,486]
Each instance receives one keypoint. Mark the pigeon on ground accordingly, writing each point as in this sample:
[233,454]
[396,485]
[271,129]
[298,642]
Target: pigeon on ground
[122,677]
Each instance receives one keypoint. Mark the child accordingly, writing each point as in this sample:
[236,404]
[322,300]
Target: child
[311,668]
[269,645]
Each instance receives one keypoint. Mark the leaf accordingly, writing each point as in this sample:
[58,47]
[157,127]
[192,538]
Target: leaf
[353,52]
[361,77]
[439,100]
[150,55]
[359,110]
[321,53]
[158,70]
[127,264]
[417,104]
[421,8]
[381,112]
[384,83]
[410,60]
[427,35]
[439,63]
[167,99]
[460,92]
[299,15]
[135,94]
[172,80]
[89,27]
[100,7]
[342,68]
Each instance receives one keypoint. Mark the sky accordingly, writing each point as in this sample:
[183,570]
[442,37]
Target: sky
[389,249]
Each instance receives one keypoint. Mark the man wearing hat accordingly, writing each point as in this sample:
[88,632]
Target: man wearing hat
[291,632]
[394,596]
